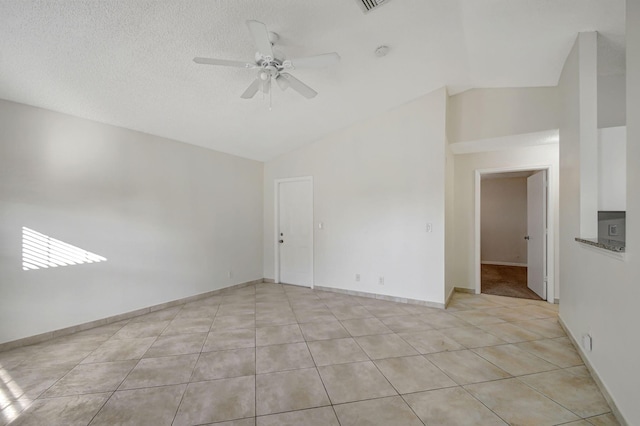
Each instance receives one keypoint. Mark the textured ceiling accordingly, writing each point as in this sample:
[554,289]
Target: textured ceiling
[129,62]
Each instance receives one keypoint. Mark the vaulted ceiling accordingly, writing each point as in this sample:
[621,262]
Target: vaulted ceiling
[130,62]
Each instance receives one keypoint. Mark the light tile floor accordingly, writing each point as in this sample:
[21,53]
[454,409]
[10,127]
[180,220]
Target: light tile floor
[282,355]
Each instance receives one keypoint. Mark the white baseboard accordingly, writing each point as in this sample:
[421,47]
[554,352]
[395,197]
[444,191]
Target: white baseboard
[490,262]
[603,389]
[457,290]
[382,297]
[449,296]
[39,338]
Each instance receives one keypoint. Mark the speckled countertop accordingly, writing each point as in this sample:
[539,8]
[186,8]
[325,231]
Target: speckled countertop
[603,243]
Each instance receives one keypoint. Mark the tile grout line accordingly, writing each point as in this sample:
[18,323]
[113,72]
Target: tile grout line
[389,381]
[451,378]
[324,386]
[40,396]
[175,415]
[517,377]
[385,377]
[100,409]
[134,367]
[483,404]
[127,375]
[557,402]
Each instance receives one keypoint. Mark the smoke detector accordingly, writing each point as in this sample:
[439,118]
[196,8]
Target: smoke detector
[381,51]
[368,5]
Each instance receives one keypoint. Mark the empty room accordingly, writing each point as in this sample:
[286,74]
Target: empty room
[249,213]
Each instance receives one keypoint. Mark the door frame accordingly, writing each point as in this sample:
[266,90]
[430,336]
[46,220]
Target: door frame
[276,244]
[550,254]
[530,244]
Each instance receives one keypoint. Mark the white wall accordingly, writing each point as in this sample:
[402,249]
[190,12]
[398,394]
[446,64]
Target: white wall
[612,169]
[465,167]
[488,113]
[450,228]
[612,96]
[171,219]
[376,185]
[504,220]
[600,293]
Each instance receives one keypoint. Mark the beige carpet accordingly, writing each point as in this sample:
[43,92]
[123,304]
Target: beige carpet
[508,281]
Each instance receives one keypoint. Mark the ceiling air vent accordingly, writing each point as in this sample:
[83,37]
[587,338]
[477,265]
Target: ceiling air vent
[369,5]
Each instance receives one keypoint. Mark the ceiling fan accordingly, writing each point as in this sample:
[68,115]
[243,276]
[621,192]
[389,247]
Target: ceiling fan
[271,66]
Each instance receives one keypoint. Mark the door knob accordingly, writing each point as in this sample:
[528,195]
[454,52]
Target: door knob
[526,237]
[281,241]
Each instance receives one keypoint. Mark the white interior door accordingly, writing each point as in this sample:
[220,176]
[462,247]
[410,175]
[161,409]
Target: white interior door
[295,231]
[536,233]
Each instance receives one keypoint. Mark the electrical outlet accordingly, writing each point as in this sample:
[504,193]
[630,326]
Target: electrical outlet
[357,277]
[381,280]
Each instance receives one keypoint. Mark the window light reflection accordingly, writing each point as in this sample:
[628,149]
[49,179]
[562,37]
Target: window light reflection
[41,251]
[13,395]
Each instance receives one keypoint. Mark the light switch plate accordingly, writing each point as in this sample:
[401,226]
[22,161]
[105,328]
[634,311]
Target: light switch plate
[587,343]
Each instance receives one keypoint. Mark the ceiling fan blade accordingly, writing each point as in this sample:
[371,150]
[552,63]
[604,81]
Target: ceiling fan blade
[252,89]
[318,61]
[260,36]
[283,83]
[224,62]
[299,86]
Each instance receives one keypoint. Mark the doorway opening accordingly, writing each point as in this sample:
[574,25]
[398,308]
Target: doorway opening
[514,256]
[505,280]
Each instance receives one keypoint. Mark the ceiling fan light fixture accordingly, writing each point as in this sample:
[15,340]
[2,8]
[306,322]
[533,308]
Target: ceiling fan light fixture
[282,81]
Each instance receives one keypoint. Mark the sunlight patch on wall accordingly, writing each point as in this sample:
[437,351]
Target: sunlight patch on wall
[41,251]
